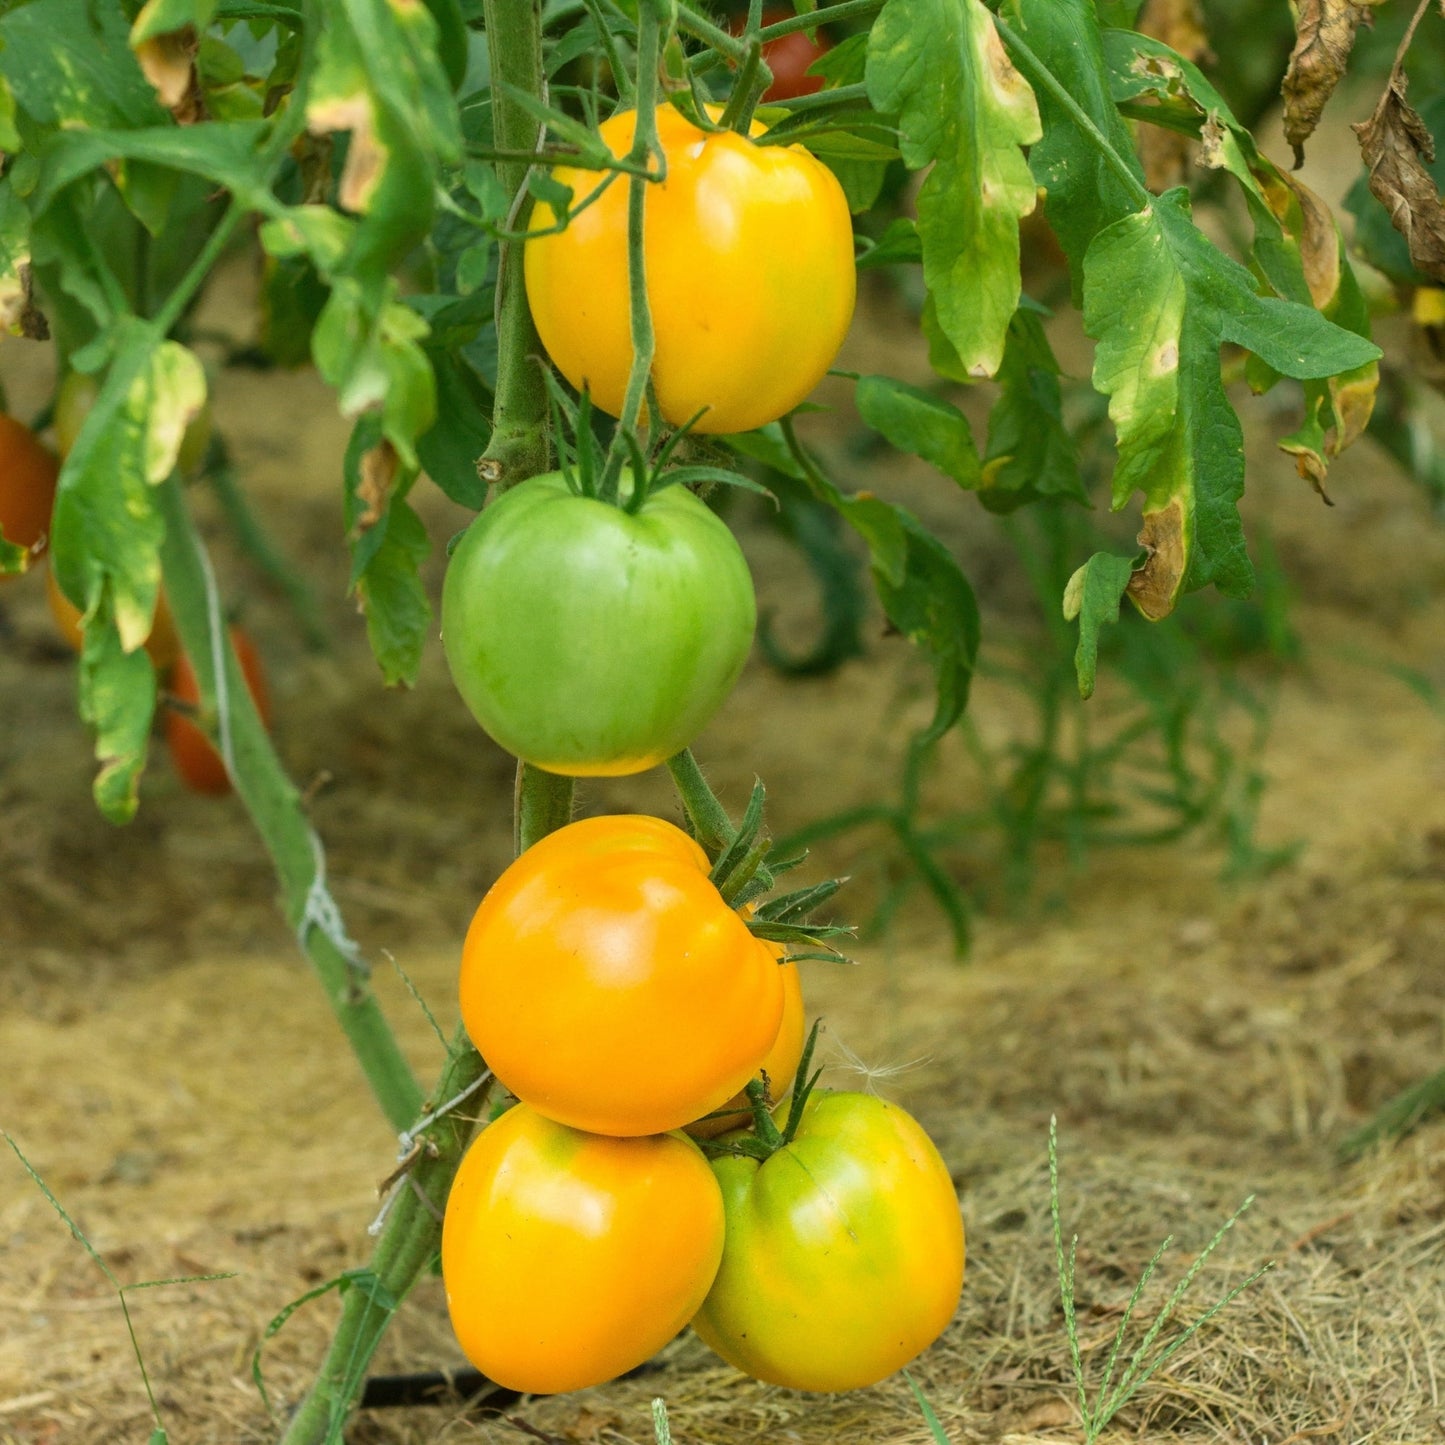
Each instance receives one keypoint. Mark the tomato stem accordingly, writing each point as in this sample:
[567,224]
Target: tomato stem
[763,1126]
[518,447]
[711,825]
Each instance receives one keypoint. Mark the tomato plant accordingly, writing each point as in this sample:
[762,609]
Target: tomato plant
[162,644]
[590,640]
[74,398]
[569,1257]
[844,1254]
[28,470]
[750,278]
[200,766]
[607,983]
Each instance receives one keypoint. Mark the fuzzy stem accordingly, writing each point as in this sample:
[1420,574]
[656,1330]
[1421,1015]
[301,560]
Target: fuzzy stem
[709,819]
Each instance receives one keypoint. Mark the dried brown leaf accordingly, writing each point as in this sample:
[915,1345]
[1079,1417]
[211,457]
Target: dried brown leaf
[373,490]
[19,315]
[1180,25]
[1396,147]
[1155,585]
[1325,35]
[169,63]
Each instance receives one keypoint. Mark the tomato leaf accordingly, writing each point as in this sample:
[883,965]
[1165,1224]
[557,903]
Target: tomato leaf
[1093,597]
[117,699]
[1160,299]
[449,448]
[917,421]
[1030,453]
[963,110]
[898,244]
[388,545]
[934,607]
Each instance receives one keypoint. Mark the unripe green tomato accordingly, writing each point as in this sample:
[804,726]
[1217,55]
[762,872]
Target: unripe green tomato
[589,641]
[843,1255]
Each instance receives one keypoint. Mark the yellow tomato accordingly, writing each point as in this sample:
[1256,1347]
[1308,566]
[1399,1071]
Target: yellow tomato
[570,1258]
[607,983]
[780,1065]
[750,277]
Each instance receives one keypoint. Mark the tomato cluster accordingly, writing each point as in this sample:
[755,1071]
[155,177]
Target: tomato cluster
[605,979]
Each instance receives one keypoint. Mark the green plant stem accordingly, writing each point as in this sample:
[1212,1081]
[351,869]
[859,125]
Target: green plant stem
[276,810]
[709,819]
[691,22]
[518,448]
[823,15]
[411,1236]
[1038,74]
[824,99]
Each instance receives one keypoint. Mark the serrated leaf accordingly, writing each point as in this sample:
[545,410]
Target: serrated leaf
[1160,299]
[449,448]
[963,110]
[1030,453]
[117,700]
[1083,192]
[1092,597]
[934,607]
[1297,245]
[913,420]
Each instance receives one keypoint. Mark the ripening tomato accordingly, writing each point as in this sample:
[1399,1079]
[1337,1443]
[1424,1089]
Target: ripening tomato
[28,472]
[570,1258]
[162,644]
[780,1065]
[844,1250]
[789,57]
[608,984]
[591,641]
[750,277]
[198,763]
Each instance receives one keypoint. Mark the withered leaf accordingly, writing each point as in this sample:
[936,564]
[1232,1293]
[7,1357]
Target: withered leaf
[1155,585]
[1396,146]
[1325,35]
[373,491]
[1180,25]
[169,63]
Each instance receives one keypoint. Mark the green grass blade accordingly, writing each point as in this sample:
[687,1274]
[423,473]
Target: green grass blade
[930,1418]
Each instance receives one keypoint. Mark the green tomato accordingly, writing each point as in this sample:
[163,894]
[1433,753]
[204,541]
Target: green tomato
[843,1254]
[590,641]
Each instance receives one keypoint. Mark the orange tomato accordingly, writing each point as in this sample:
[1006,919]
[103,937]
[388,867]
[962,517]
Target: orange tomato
[163,644]
[608,984]
[196,760]
[28,471]
[570,1258]
[781,1064]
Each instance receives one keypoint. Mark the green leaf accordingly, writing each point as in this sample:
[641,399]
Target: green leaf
[17,313]
[1093,597]
[388,546]
[9,136]
[449,449]
[916,421]
[934,607]
[378,76]
[1030,453]
[1160,298]
[964,111]
[374,359]
[117,700]
[1084,194]
[897,245]
[91,79]
[161,17]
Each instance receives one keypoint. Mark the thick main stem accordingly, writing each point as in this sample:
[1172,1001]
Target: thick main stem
[518,448]
[275,808]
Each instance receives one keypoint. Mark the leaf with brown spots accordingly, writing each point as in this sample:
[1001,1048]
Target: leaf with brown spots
[1325,35]
[1179,24]
[1396,147]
